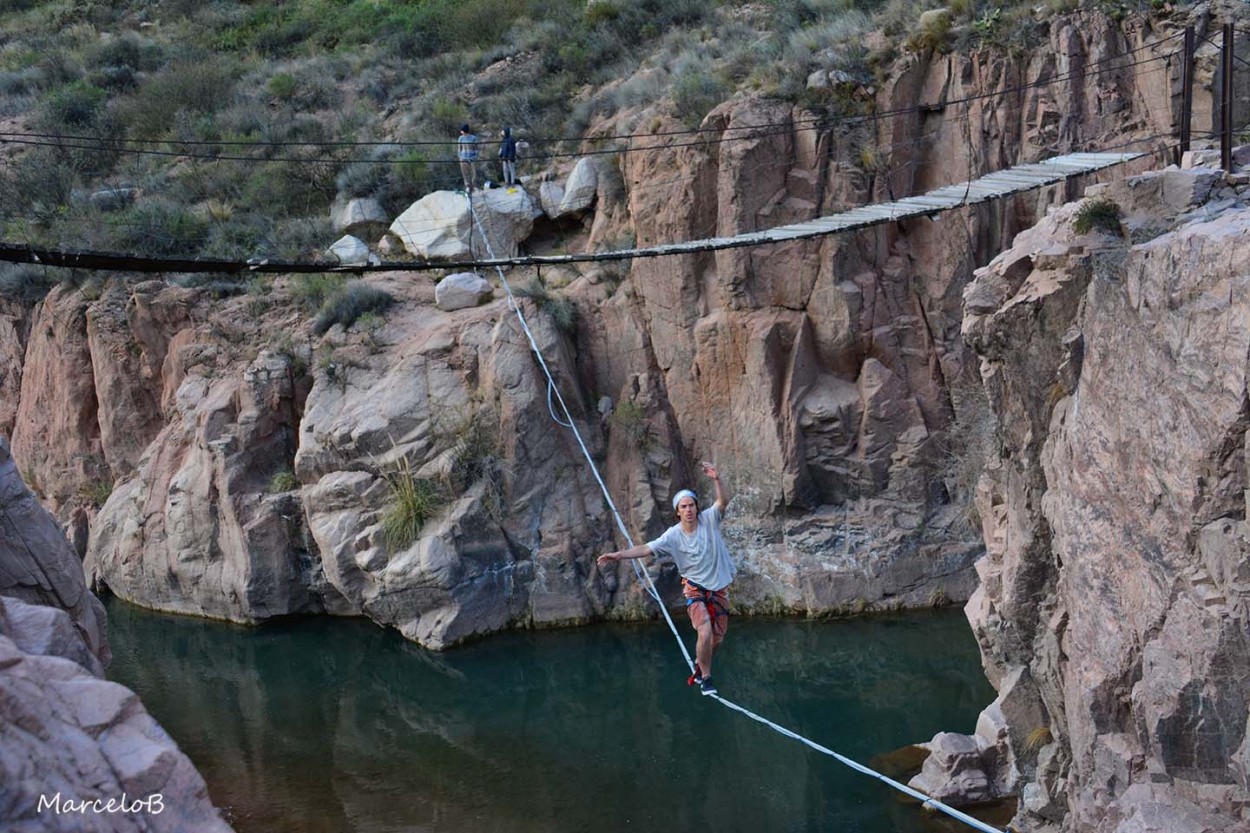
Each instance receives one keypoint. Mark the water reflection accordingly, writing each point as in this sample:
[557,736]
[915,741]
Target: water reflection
[330,725]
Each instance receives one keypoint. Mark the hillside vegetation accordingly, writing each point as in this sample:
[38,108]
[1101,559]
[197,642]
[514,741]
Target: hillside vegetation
[228,129]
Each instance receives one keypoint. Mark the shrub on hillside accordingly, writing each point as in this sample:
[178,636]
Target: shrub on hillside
[696,90]
[156,228]
[294,238]
[76,107]
[25,282]
[348,303]
[311,290]
[196,85]
[128,50]
[36,187]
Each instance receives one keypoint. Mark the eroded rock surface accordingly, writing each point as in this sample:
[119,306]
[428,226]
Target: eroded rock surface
[1114,591]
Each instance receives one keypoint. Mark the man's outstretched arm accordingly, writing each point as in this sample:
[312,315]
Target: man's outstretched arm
[722,494]
[640,551]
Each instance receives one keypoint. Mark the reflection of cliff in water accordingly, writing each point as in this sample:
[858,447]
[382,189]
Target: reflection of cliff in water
[324,725]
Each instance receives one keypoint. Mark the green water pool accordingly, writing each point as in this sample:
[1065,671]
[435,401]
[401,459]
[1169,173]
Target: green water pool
[314,725]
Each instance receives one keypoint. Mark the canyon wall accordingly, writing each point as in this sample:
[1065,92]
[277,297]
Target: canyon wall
[1112,608]
[210,455]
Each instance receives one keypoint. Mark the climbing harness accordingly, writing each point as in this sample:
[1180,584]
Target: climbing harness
[649,586]
[714,601]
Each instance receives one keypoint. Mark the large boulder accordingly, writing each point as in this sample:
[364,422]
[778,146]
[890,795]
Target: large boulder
[359,217]
[510,518]
[436,227]
[200,528]
[461,290]
[580,188]
[575,196]
[442,225]
[350,251]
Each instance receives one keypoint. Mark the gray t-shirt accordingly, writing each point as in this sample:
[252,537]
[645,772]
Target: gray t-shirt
[702,557]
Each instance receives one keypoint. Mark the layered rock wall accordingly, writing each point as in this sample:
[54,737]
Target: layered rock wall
[1114,591]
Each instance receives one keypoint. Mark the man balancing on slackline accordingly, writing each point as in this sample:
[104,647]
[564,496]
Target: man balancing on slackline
[696,546]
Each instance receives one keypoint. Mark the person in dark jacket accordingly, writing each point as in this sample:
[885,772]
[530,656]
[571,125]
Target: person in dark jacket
[507,156]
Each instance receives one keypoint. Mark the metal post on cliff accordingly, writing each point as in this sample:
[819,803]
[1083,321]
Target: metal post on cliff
[1187,91]
[1226,100]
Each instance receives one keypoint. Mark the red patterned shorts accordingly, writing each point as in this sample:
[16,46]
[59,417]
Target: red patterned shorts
[704,605]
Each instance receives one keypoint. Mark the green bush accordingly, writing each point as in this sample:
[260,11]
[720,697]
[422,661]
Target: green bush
[296,238]
[348,303]
[128,50]
[282,86]
[695,92]
[934,33]
[1100,213]
[157,228]
[75,107]
[196,85]
[37,186]
[312,290]
[283,481]
[95,492]
[412,168]
[601,11]
[630,419]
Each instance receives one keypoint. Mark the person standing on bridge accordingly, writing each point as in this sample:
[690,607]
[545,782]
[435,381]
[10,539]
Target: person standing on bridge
[466,147]
[696,546]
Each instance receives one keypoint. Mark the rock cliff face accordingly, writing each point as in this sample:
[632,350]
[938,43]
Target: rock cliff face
[211,457]
[77,752]
[1112,611]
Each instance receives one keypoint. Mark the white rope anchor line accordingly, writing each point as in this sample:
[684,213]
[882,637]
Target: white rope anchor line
[645,577]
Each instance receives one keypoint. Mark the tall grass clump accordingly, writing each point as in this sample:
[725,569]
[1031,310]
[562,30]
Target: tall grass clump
[563,311]
[412,502]
[477,456]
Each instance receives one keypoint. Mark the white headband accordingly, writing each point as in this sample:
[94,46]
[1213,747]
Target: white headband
[684,493]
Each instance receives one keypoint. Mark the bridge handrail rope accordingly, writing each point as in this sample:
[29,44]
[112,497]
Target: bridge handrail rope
[645,578]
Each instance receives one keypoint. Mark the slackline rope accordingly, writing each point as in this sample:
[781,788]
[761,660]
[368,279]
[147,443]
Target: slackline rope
[645,578]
